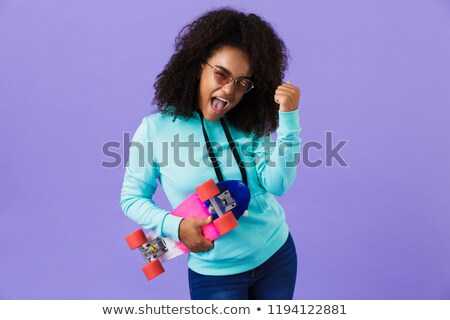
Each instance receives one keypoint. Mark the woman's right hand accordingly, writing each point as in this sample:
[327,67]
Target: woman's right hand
[190,234]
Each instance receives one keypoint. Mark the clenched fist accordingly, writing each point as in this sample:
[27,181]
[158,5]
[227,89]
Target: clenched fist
[287,96]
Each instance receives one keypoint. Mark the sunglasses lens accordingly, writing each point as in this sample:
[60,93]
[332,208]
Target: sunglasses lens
[222,77]
[243,85]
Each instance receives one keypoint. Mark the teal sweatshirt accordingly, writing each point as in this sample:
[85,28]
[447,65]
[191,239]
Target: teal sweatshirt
[174,153]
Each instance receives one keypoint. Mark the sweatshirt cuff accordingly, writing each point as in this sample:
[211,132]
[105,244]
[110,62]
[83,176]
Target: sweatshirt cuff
[289,119]
[170,226]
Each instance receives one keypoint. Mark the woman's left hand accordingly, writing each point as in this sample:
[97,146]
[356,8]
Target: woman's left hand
[287,96]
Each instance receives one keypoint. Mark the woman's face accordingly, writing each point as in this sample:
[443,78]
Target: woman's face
[214,99]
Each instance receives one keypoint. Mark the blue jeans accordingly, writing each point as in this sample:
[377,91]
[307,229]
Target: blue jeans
[272,280]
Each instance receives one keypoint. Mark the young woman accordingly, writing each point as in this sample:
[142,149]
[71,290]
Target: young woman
[226,75]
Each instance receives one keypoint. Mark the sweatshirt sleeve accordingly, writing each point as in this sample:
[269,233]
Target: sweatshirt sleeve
[276,161]
[140,183]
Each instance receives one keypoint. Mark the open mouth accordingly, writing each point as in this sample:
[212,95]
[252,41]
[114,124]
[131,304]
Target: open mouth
[219,103]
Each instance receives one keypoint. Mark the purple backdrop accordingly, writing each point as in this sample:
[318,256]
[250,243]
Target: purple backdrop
[77,74]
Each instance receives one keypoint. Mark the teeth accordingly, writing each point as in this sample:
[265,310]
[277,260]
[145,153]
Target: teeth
[222,99]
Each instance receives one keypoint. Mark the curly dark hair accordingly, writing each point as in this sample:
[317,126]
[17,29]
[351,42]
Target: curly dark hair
[177,85]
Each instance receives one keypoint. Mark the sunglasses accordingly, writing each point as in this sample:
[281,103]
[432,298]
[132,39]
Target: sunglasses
[223,77]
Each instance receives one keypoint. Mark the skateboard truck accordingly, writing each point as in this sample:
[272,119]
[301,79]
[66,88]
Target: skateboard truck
[150,250]
[222,203]
[153,249]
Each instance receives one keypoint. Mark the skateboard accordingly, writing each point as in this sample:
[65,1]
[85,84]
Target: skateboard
[225,201]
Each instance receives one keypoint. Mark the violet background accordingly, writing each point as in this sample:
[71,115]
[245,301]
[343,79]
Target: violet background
[76,74]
